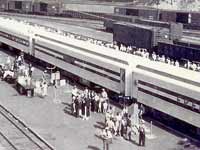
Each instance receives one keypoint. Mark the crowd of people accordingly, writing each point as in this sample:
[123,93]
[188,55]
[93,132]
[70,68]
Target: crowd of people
[18,72]
[117,123]
[14,68]
[87,101]
[124,125]
[154,57]
[136,51]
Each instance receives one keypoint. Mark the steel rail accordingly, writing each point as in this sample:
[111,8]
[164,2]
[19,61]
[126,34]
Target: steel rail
[27,128]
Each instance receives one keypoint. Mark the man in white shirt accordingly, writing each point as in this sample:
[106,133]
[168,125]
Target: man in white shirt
[107,138]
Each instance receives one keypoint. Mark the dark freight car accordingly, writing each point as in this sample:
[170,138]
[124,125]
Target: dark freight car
[3,5]
[27,6]
[132,12]
[195,18]
[134,35]
[179,52]
[120,10]
[19,6]
[167,16]
[151,14]
[40,8]
[15,6]
[53,8]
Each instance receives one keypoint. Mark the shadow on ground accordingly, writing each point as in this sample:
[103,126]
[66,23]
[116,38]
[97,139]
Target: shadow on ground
[93,147]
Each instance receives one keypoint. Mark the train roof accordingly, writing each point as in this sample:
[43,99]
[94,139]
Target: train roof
[191,40]
[105,54]
[12,25]
[155,9]
[154,21]
[134,25]
[20,27]
[176,75]
[137,7]
[121,59]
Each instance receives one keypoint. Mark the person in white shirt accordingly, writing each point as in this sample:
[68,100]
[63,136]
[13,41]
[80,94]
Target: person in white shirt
[163,58]
[189,64]
[104,94]
[117,124]
[168,61]
[107,138]
[154,56]
[176,63]
[193,66]
[74,92]
[105,107]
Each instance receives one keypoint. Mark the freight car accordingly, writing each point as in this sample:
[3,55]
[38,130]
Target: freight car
[134,35]
[184,48]
[190,20]
[30,7]
[141,36]
[162,88]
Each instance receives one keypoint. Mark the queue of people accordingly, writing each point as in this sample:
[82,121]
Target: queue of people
[88,101]
[122,124]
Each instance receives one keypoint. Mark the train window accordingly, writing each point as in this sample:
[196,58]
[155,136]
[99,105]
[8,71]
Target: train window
[18,4]
[178,99]
[190,104]
[117,10]
[182,17]
[194,106]
[186,101]
[43,7]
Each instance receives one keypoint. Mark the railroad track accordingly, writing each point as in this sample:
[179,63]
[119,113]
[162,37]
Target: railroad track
[97,25]
[16,135]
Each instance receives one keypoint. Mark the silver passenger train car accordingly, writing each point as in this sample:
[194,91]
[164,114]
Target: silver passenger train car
[171,90]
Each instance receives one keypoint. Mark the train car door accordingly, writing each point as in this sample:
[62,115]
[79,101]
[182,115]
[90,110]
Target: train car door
[182,17]
[122,81]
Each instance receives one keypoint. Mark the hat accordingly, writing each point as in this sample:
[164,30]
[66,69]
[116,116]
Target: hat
[107,128]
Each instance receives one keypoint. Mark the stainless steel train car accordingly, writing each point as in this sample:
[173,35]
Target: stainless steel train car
[91,62]
[171,90]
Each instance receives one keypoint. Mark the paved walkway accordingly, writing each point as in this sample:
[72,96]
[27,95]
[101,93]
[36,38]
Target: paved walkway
[55,123]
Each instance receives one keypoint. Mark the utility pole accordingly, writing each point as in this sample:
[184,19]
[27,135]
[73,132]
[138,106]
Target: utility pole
[158,11]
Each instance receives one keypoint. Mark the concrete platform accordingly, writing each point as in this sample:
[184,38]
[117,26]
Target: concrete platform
[72,27]
[54,122]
